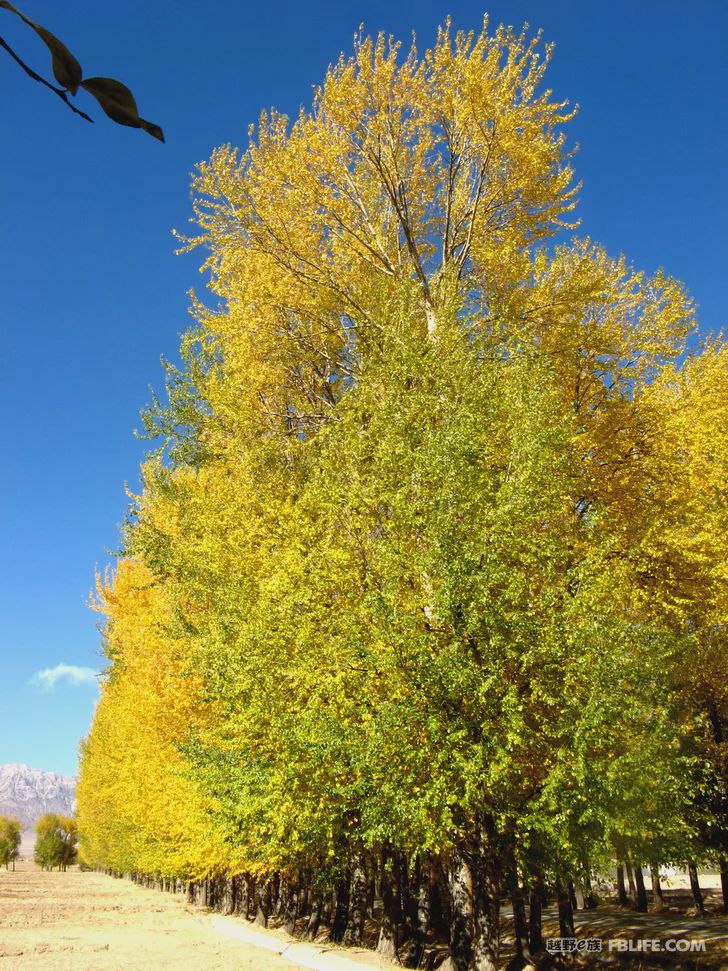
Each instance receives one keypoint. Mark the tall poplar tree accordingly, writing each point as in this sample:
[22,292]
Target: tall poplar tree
[401,595]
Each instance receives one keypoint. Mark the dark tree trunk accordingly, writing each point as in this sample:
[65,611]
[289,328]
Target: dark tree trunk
[373,902]
[279,895]
[262,900]
[242,895]
[237,892]
[354,933]
[695,887]
[630,881]
[461,909]
[314,919]
[252,898]
[425,880]
[520,924]
[390,929]
[641,898]
[621,890]
[304,896]
[408,886]
[329,907]
[486,897]
[341,911]
[513,887]
[535,907]
[440,903]
[291,908]
[226,902]
[566,911]
[658,901]
[724,882]
[377,866]
[572,894]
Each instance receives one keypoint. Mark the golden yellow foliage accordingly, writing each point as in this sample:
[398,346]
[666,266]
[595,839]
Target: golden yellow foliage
[138,808]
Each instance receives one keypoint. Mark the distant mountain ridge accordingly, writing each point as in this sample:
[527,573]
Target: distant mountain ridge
[28,793]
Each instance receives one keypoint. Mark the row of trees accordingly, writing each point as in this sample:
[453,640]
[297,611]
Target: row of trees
[56,843]
[11,833]
[423,603]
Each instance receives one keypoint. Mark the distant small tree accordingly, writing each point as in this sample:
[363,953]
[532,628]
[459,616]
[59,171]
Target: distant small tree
[57,841]
[48,844]
[69,837]
[10,835]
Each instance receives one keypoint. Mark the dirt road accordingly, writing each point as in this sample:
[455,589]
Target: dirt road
[89,922]
[77,921]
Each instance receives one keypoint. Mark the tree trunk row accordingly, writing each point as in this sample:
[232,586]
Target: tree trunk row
[406,907]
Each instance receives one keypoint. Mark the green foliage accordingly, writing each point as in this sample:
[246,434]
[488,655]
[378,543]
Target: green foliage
[420,562]
[56,841]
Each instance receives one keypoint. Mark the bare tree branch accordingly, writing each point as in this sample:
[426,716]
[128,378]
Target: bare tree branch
[36,77]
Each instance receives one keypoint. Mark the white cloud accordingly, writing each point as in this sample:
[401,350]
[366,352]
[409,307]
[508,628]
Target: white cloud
[48,677]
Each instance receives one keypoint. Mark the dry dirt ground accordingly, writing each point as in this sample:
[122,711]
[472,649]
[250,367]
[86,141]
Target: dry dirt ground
[90,922]
[77,921]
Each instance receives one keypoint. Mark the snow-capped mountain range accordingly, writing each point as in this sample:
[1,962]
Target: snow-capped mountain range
[28,793]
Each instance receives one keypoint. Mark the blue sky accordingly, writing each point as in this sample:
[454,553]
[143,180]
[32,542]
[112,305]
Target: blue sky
[91,293]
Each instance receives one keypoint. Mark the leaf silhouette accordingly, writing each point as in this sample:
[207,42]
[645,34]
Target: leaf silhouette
[118,103]
[115,98]
[66,69]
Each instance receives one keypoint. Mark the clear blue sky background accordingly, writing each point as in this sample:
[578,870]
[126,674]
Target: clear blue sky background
[91,293]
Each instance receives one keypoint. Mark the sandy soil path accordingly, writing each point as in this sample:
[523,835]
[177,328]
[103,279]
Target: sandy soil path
[77,921]
[89,922]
